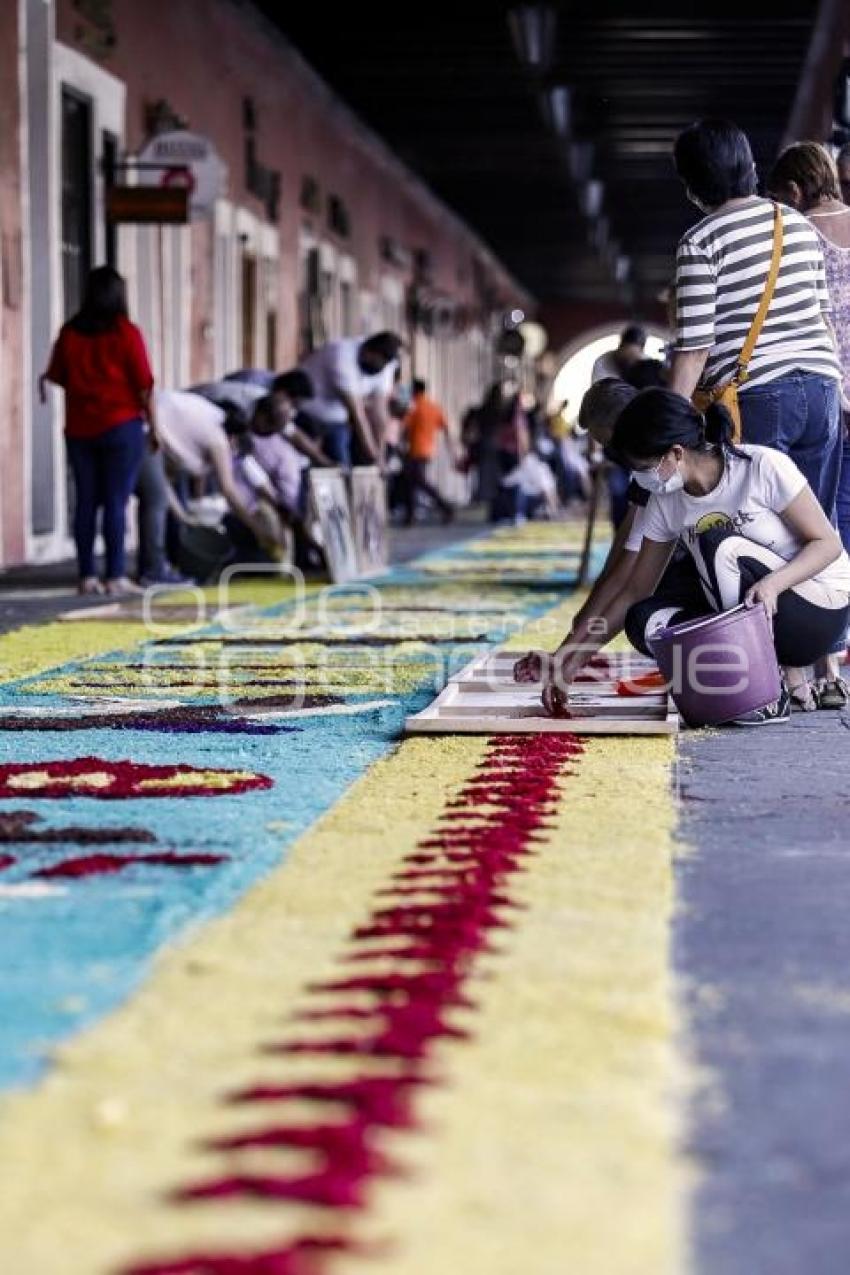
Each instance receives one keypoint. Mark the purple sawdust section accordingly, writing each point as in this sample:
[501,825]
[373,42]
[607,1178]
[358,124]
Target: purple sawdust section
[763,943]
[18,828]
[175,721]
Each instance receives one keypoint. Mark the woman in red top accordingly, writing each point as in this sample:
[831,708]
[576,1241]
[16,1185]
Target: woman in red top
[101,363]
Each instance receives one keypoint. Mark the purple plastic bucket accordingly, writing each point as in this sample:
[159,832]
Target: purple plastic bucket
[721,666]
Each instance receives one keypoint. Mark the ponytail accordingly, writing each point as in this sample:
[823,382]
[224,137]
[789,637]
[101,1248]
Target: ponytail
[719,430]
[658,419]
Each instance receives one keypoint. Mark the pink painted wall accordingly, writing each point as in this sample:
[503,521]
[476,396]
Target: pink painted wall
[11,296]
[203,58]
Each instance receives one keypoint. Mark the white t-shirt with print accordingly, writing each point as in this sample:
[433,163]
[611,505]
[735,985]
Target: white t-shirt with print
[750,497]
[638,530]
[333,368]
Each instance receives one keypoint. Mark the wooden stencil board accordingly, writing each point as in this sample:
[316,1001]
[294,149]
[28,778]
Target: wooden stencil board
[329,499]
[369,519]
[483,699]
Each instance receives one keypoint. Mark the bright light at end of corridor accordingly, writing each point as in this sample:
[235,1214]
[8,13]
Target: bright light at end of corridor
[573,380]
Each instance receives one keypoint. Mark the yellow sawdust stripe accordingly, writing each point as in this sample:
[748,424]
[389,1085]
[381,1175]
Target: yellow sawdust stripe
[120,1118]
[552,1148]
[34,649]
[556,1126]
[555,1123]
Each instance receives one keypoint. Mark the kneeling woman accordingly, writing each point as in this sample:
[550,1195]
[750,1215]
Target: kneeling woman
[753,527]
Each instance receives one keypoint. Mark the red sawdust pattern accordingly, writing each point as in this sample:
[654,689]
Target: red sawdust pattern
[128,779]
[439,914]
[304,1257]
[98,865]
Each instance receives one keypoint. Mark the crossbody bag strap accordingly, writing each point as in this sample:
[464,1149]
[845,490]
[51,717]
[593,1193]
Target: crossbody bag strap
[764,305]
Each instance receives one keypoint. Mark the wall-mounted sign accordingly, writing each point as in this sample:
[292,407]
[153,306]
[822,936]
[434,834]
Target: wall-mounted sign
[165,205]
[181,158]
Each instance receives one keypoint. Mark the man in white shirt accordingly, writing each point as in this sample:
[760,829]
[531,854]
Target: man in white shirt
[618,362]
[242,394]
[352,383]
[193,448]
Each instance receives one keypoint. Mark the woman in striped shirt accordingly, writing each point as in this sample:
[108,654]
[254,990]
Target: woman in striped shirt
[790,399]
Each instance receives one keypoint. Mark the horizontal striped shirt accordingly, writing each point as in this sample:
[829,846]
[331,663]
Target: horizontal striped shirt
[721,270]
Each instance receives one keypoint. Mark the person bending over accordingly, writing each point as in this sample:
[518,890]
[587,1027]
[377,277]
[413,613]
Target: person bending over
[288,392]
[270,474]
[352,382]
[680,586]
[195,443]
[755,532]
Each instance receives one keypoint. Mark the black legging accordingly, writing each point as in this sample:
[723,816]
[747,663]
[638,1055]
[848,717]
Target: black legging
[810,620]
[679,597]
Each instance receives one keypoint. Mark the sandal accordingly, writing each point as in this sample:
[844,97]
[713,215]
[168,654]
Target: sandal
[803,698]
[832,693]
[122,586]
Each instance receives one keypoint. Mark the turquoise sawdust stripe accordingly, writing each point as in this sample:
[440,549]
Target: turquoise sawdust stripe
[73,949]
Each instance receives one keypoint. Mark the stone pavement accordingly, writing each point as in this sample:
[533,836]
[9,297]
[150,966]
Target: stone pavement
[762,945]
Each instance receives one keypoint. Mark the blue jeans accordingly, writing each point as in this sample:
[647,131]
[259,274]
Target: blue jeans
[152,491]
[842,503]
[799,414]
[336,443]
[105,469]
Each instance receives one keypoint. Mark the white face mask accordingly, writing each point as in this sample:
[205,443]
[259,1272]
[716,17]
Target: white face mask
[650,480]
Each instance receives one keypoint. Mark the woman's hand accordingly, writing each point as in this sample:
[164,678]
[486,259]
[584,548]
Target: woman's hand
[558,671]
[530,667]
[766,592]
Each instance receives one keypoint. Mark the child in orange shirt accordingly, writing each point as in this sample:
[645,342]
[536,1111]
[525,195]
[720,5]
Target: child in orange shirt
[422,425]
